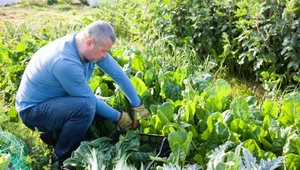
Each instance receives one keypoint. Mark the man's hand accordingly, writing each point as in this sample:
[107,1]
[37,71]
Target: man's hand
[140,112]
[125,121]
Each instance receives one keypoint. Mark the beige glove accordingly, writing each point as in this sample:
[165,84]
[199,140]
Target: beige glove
[125,121]
[140,112]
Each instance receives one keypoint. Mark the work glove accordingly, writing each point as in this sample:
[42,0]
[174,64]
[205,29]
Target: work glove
[125,121]
[140,112]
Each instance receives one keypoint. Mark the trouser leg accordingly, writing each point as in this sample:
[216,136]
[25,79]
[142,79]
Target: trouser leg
[72,116]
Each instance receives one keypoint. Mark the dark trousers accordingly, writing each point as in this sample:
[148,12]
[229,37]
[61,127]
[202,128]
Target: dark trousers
[71,116]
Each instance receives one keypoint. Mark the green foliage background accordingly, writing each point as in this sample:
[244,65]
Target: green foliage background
[175,53]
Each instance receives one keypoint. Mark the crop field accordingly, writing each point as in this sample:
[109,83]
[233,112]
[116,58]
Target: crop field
[220,78]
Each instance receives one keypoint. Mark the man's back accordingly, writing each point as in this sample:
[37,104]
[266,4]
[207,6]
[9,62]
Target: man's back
[38,82]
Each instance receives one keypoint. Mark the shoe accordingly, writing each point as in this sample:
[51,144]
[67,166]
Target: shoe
[49,138]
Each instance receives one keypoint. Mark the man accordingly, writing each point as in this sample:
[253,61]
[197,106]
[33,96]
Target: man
[54,95]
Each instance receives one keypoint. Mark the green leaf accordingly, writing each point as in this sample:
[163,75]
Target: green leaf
[190,109]
[270,108]
[149,77]
[104,90]
[139,85]
[241,12]
[292,144]
[3,117]
[240,108]
[166,2]
[279,134]
[94,154]
[178,137]
[21,47]
[296,77]
[12,114]
[180,142]
[167,109]
[239,126]
[179,75]
[162,117]
[211,124]
[252,147]
[290,109]
[5,160]
[94,82]
[292,161]
[138,63]
[141,156]
[217,96]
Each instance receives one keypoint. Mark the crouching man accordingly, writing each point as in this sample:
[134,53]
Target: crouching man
[54,94]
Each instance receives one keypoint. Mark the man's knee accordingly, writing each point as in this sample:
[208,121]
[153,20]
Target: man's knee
[88,108]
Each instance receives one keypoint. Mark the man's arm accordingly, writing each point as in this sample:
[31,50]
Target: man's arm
[110,66]
[71,77]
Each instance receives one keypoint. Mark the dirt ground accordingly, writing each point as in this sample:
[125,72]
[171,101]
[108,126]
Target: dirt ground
[32,10]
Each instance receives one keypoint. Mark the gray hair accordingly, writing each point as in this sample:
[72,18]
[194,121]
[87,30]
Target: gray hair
[100,31]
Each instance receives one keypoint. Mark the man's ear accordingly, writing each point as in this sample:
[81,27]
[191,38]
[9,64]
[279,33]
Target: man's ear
[88,42]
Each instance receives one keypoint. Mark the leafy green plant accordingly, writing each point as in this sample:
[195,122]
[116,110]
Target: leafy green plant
[95,154]
[241,158]
[5,160]
[101,154]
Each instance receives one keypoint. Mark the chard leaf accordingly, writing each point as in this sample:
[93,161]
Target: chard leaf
[163,119]
[270,108]
[240,109]
[177,155]
[190,109]
[217,96]
[252,147]
[5,160]
[127,143]
[179,75]
[189,92]
[167,109]
[139,85]
[141,156]
[176,137]
[292,161]
[138,63]
[290,110]
[239,126]
[211,121]
[180,142]
[149,77]
[292,144]
[96,154]
[121,163]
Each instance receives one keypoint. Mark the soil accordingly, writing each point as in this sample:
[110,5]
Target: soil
[33,10]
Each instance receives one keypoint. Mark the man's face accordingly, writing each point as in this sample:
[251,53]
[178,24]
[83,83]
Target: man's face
[95,52]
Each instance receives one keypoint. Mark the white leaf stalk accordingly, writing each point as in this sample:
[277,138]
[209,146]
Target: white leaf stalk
[122,163]
[93,160]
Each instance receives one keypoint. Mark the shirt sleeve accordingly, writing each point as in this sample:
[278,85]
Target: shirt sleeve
[71,77]
[110,66]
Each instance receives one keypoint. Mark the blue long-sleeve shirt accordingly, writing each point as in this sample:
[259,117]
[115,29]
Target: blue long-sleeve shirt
[57,70]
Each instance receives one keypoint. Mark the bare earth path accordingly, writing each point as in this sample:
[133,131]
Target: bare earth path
[36,11]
